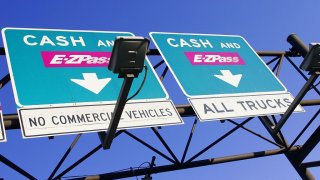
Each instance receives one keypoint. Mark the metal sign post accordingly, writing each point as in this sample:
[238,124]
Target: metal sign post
[106,138]
[127,60]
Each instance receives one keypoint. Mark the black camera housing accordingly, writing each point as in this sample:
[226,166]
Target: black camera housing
[311,61]
[128,55]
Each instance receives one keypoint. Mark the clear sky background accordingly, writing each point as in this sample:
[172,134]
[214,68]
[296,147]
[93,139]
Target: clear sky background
[264,24]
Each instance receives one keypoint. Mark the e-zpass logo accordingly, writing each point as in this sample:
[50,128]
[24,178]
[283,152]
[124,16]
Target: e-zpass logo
[214,58]
[75,59]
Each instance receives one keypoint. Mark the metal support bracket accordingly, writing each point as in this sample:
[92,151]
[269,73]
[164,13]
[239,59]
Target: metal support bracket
[296,102]
[106,138]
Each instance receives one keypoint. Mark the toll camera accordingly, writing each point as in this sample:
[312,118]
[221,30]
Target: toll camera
[311,56]
[128,55]
[312,60]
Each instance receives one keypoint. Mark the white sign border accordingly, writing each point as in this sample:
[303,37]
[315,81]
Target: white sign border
[214,95]
[16,96]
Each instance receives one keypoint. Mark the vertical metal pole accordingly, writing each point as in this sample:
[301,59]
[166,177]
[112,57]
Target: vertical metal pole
[107,138]
[152,161]
[148,175]
[280,65]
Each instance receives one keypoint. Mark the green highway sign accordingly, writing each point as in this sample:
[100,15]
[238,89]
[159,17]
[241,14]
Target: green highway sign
[222,75]
[67,67]
[62,85]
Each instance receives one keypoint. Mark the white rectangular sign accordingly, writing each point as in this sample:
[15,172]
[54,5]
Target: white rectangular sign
[2,130]
[37,122]
[217,108]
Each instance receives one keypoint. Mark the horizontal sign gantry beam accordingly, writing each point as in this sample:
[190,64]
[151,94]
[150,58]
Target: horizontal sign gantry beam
[11,121]
[193,164]
[154,52]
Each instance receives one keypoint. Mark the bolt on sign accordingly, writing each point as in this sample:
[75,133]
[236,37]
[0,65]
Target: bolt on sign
[222,75]
[62,85]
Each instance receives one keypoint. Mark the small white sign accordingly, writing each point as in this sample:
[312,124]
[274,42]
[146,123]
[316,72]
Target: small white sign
[2,130]
[217,108]
[38,122]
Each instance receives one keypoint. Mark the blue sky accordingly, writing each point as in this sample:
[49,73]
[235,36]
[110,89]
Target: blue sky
[264,24]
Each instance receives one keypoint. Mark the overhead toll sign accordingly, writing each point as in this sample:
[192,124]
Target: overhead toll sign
[222,75]
[2,130]
[66,68]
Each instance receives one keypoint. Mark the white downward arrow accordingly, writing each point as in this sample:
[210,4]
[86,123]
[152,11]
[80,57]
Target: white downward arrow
[91,82]
[229,78]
